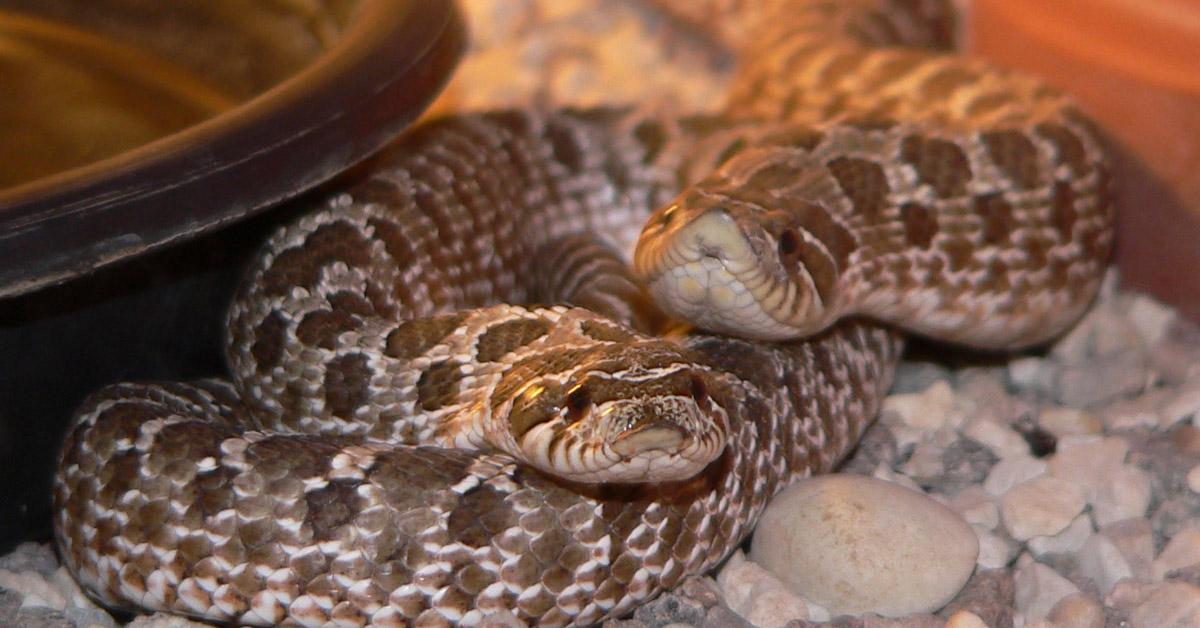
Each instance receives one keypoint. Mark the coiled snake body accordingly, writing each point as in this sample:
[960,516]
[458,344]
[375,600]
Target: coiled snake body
[398,445]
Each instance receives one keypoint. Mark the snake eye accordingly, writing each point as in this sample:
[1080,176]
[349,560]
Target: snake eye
[668,215]
[699,391]
[578,401]
[789,243]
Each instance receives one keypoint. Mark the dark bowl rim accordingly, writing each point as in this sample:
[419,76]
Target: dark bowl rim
[380,74]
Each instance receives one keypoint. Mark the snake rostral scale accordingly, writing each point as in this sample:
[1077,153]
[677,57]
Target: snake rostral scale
[404,442]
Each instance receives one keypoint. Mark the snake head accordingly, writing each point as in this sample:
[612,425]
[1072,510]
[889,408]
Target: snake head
[734,258]
[643,411]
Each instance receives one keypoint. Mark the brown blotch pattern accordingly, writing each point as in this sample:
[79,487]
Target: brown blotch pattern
[565,147]
[509,336]
[939,164]
[959,252]
[1015,155]
[438,385]
[1067,146]
[269,340]
[301,266]
[997,217]
[347,384]
[920,224]
[321,328]
[652,137]
[331,507]
[413,338]
[863,182]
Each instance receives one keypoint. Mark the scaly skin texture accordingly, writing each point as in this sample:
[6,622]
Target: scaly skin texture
[309,488]
[925,190]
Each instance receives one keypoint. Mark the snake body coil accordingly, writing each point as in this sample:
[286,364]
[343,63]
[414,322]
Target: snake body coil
[401,442]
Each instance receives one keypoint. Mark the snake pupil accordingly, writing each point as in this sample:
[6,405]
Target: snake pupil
[699,390]
[789,243]
[578,401]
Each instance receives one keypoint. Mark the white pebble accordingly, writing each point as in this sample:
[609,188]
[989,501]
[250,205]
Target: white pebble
[1039,588]
[1002,440]
[36,590]
[853,544]
[926,411]
[1101,561]
[1067,541]
[1125,495]
[1150,317]
[1041,507]
[757,595]
[1031,374]
[1134,538]
[1183,550]
[1181,405]
[976,507]
[995,551]
[1193,479]
[1128,414]
[1068,421]
[965,619]
[1077,611]
[1012,471]
[1171,603]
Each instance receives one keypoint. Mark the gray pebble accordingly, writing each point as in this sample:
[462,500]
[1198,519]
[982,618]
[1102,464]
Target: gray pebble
[37,557]
[42,617]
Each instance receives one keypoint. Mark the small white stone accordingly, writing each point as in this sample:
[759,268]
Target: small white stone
[1183,550]
[1032,374]
[965,619]
[1150,317]
[1125,495]
[36,590]
[1077,611]
[1065,542]
[994,551]
[1068,421]
[1126,414]
[885,473]
[1101,561]
[1134,538]
[1011,471]
[927,410]
[1102,379]
[1002,440]
[1193,479]
[1039,588]
[1182,404]
[976,507]
[1171,603]
[757,595]
[1115,490]
[1041,507]
[854,544]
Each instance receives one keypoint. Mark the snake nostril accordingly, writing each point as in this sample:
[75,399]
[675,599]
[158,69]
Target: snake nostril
[789,243]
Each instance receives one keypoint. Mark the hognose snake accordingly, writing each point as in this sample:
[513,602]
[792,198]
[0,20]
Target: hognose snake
[398,445]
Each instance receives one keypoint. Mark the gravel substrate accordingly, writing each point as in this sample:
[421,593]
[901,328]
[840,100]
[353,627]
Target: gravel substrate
[1078,468]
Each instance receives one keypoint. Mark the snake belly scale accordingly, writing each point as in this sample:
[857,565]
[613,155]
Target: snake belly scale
[407,437]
